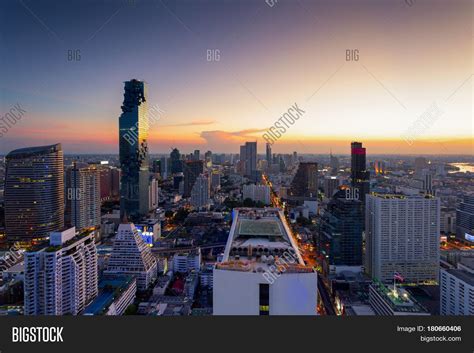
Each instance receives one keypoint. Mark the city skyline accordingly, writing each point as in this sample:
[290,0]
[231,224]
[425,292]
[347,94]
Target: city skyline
[242,91]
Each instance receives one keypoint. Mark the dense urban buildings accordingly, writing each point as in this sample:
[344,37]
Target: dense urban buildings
[61,278]
[262,271]
[133,145]
[260,193]
[34,193]
[402,235]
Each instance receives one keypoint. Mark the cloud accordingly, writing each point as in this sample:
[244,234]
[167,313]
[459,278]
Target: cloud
[192,123]
[219,137]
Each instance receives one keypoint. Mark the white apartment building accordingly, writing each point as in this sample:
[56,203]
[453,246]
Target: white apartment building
[132,256]
[457,289]
[187,261]
[262,271]
[61,279]
[200,193]
[402,235]
[257,193]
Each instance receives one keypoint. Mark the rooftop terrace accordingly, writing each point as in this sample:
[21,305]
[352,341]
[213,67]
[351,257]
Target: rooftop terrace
[260,240]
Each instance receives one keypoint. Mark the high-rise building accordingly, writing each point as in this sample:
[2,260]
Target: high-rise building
[262,271]
[208,159]
[133,143]
[448,220]
[457,289]
[61,279]
[164,164]
[34,193]
[215,180]
[109,182]
[334,164]
[257,193]
[380,167]
[132,256]
[200,193]
[196,155]
[340,232]
[192,169]
[305,181]
[248,154]
[402,235]
[153,196]
[331,185]
[465,220]
[360,177]
[83,196]
[268,153]
[175,161]
[420,164]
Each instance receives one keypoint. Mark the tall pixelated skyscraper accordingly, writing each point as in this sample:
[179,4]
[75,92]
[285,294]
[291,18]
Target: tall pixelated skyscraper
[34,193]
[134,161]
[268,154]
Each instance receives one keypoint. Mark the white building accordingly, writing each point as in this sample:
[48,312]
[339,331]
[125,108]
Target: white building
[200,193]
[187,261]
[206,276]
[262,271]
[132,256]
[61,279]
[257,193]
[153,194]
[116,294]
[402,235]
[457,289]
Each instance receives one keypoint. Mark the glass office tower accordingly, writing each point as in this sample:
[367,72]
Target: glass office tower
[34,193]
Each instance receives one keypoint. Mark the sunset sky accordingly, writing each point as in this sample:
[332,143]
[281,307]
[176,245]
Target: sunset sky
[410,57]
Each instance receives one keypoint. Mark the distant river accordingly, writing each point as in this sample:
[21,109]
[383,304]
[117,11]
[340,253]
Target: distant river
[463,167]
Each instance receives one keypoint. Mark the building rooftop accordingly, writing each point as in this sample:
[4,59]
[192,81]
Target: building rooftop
[109,289]
[261,240]
[399,299]
[462,275]
[31,151]
[400,196]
